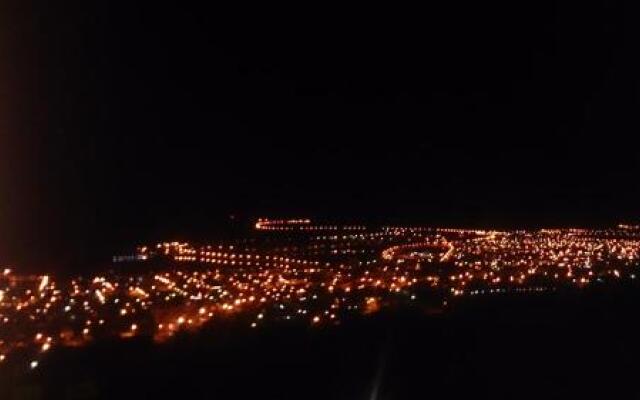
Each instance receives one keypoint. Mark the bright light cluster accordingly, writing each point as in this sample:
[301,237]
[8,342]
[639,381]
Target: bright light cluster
[293,270]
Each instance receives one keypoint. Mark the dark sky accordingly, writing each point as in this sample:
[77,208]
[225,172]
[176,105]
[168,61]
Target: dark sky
[127,122]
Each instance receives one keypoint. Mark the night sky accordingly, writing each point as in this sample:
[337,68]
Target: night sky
[126,123]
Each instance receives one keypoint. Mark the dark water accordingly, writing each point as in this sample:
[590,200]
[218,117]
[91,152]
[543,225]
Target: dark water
[561,345]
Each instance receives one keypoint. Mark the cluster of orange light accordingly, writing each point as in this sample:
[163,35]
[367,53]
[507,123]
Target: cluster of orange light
[264,224]
[313,278]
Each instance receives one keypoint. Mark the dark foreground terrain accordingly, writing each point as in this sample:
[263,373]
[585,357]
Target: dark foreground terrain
[561,345]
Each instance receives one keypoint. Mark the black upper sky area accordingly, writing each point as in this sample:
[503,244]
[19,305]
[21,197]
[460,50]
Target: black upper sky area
[122,123]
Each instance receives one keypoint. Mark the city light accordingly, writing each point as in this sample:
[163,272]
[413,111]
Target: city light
[294,270]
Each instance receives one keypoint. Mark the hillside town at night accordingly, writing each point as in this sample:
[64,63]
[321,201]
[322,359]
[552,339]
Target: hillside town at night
[297,271]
